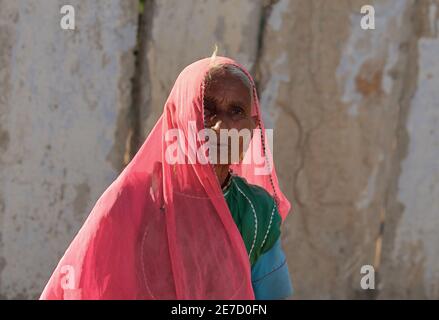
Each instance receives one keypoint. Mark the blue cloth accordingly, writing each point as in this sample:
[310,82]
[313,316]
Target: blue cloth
[270,276]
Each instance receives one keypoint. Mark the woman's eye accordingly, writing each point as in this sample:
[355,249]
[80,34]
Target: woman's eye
[237,110]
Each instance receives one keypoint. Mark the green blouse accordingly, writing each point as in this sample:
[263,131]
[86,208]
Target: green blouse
[256,216]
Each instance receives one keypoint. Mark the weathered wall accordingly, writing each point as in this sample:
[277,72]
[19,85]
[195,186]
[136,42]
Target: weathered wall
[64,96]
[355,114]
[411,241]
[328,90]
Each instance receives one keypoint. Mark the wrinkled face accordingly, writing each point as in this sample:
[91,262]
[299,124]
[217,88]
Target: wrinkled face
[227,105]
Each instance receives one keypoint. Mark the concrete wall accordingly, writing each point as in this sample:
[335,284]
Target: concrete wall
[411,240]
[63,124]
[355,114]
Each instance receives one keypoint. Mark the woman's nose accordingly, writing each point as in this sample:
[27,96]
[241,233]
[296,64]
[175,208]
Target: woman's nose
[220,124]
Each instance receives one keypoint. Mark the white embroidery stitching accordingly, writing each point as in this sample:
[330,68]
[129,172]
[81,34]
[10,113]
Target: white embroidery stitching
[254,214]
[269,225]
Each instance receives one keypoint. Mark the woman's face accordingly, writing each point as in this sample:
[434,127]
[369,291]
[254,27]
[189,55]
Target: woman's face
[228,104]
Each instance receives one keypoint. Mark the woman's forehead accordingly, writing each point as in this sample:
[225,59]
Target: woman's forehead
[231,83]
[225,72]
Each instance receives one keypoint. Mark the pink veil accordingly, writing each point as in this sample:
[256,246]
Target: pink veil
[164,231]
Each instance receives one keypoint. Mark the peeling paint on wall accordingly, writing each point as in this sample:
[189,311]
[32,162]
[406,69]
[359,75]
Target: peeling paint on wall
[419,180]
[362,70]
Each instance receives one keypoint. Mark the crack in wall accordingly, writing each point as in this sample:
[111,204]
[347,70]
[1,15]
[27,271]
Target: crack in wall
[140,94]
[267,8]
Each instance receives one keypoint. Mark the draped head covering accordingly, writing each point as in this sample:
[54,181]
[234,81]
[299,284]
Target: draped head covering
[163,230]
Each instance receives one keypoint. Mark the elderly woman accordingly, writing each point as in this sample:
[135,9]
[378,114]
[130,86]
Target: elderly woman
[192,229]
